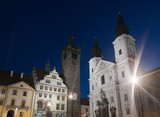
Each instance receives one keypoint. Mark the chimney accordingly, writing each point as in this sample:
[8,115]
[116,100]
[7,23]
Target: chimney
[11,73]
[22,75]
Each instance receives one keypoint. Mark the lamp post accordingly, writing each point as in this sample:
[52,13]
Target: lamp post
[71,98]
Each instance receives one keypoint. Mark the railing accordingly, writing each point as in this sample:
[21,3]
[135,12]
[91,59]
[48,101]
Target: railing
[17,106]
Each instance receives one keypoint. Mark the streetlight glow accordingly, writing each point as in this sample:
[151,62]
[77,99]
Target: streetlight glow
[49,104]
[71,96]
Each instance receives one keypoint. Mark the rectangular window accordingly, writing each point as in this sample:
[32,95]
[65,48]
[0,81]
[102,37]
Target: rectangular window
[125,97]
[110,77]
[47,81]
[24,93]
[3,91]
[123,75]
[23,103]
[55,89]
[74,55]
[50,88]
[46,88]
[63,90]
[58,97]
[92,87]
[62,107]
[40,94]
[14,92]
[120,52]
[57,106]
[50,95]
[45,95]
[128,111]
[1,102]
[58,83]
[41,87]
[102,80]
[63,98]
[112,99]
[12,102]
[54,76]
[59,90]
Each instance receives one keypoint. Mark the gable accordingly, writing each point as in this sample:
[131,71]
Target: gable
[101,65]
[21,85]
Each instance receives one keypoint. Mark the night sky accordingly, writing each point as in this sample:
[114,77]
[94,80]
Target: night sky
[32,32]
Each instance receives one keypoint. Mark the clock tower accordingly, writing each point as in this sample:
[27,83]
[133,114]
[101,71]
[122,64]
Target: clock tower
[71,73]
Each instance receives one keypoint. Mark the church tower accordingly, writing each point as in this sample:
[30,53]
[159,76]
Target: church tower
[125,56]
[71,73]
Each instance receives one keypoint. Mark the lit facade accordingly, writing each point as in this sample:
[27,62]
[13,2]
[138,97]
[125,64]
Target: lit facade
[114,77]
[51,94]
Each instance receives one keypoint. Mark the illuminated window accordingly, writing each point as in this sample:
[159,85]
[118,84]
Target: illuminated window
[58,97]
[46,88]
[55,89]
[47,81]
[50,88]
[62,107]
[102,80]
[50,95]
[45,95]
[63,90]
[63,98]
[58,83]
[59,90]
[40,105]
[40,94]
[57,106]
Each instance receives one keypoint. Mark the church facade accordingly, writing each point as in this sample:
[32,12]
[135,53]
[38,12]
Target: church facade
[110,86]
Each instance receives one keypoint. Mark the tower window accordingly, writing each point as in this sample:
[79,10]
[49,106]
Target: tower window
[123,75]
[65,56]
[102,80]
[120,52]
[125,97]
[92,69]
[92,87]
[112,99]
[128,111]
[74,55]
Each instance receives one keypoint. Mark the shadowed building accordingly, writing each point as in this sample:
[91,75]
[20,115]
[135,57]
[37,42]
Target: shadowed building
[71,73]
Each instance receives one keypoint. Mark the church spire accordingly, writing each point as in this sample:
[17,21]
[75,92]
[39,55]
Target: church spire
[96,52]
[121,28]
[71,43]
[47,66]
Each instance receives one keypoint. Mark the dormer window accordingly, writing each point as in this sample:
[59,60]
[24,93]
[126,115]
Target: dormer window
[120,52]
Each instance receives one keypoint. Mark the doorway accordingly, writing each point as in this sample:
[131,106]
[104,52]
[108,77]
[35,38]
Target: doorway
[10,113]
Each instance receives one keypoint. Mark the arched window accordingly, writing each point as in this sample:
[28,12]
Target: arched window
[21,114]
[40,105]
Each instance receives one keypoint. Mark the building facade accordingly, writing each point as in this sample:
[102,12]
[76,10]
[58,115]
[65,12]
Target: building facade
[71,73]
[51,93]
[16,96]
[111,80]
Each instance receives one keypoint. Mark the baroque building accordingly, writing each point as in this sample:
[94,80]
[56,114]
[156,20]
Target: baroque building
[50,93]
[110,81]
[16,94]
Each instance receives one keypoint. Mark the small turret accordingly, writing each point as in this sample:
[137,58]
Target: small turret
[47,66]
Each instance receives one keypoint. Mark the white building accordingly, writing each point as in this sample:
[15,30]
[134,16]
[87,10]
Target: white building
[51,93]
[114,77]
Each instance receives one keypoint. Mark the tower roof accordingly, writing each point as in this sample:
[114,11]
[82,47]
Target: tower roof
[121,28]
[96,52]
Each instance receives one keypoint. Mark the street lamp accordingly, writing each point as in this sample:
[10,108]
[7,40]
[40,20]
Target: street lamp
[71,98]
[134,80]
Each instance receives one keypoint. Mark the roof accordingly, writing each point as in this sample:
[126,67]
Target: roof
[84,101]
[7,79]
[40,73]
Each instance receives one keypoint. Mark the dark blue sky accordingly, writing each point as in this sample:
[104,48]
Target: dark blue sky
[32,32]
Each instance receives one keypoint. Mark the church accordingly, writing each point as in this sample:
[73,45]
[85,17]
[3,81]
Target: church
[112,90]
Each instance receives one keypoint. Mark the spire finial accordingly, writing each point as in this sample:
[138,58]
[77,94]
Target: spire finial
[48,66]
[95,37]
[119,12]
